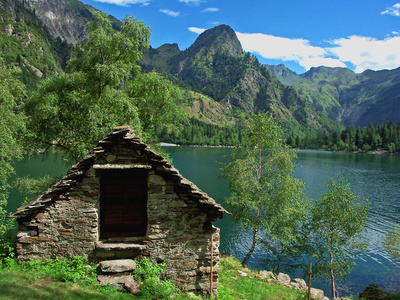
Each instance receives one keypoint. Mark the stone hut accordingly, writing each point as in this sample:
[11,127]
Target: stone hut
[123,200]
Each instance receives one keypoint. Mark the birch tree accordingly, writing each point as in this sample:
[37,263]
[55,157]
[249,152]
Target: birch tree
[338,221]
[260,181]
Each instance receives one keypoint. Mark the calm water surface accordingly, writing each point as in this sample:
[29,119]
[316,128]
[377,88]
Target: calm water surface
[373,176]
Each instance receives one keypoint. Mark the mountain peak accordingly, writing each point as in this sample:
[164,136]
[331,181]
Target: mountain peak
[221,39]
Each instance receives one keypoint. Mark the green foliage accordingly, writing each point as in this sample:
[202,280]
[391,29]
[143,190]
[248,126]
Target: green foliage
[155,99]
[337,223]
[71,271]
[31,187]
[385,137]
[12,124]
[102,89]
[392,242]
[152,286]
[264,196]
[196,132]
[232,286]
[373,292]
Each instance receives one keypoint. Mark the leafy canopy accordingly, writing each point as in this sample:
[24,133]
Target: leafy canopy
[12,129]
[338,221]
[102,89]
[263,193]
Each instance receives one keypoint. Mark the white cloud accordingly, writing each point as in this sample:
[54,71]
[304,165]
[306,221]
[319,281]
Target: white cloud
[361,52]
[170,12]
[280,48]
[368,53]
[192,2]
[126,2]
[197,30]
[210,10]
[393,10]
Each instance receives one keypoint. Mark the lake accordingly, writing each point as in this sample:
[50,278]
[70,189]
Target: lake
[373,176]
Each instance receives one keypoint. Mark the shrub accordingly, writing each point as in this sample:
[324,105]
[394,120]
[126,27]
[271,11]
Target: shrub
[153,287]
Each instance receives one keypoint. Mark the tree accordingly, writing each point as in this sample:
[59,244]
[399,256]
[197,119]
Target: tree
[103,88]
[392,242]
[336,225]
[285,237]
[12,124]
[262,189]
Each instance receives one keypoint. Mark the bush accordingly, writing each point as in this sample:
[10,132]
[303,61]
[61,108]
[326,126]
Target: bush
[70,271]
[153,287]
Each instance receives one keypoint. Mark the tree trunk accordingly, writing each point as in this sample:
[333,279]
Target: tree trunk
[332,278]
[279,260]
[253,245]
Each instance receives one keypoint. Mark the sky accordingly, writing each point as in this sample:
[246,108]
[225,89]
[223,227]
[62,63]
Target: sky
[357,34]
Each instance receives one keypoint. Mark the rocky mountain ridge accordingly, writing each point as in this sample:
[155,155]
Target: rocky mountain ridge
[217,66]
[349,98]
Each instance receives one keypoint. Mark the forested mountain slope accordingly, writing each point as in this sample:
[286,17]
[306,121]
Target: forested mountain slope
[25,42]
[350,98]
[217,66]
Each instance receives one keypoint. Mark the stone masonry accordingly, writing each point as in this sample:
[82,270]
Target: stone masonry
[65,221]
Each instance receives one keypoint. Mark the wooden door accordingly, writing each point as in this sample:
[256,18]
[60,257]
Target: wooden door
[123,203]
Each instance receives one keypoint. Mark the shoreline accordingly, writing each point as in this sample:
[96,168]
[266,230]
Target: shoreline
[376,152]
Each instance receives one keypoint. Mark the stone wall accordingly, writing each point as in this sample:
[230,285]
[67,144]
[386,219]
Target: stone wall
[64,222]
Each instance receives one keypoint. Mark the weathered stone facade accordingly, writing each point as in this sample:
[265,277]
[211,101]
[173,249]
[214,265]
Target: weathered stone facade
[66,221]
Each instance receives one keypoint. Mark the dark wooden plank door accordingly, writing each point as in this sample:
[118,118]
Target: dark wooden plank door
[123,203]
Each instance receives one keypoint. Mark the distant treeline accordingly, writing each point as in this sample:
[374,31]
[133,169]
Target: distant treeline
[197,132]
[385,137]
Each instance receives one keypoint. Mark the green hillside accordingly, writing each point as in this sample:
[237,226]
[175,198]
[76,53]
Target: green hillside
[349,98]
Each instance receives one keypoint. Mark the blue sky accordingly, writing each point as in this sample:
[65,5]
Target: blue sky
[358,34]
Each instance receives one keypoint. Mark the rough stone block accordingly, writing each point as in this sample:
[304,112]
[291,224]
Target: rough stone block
[124,283]
[118,266]
[156,180]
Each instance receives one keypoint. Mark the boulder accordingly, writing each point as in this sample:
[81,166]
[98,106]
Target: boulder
[243,274]
[284,279]
[301,283]
[265,274]
[317,292]
[122,283]
[118,266]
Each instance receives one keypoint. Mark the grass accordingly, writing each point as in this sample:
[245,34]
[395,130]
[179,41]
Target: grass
[71,280]
[233,286]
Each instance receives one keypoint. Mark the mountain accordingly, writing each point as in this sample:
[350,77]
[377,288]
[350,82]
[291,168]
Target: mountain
[25,42]
[283,74]
[349,98]
[65,19]
[216,66]
[38,35]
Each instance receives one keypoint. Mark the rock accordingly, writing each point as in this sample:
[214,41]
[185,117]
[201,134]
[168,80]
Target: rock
[284,278]
[9,29]
[265,274]
[243,274]
[122,283]
[317,292]
[118,266]
[295,285]
[302,284]
[324,298]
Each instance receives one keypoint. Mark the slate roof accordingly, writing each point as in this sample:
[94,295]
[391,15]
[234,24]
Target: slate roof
[156,161]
